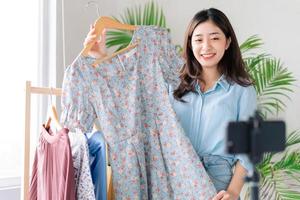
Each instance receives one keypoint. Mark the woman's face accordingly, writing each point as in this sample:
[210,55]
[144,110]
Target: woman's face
[209,44]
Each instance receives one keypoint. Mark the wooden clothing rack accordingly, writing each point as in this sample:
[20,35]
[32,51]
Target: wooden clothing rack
[45,91]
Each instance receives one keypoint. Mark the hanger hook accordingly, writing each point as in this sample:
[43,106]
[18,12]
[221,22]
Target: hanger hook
[94,3]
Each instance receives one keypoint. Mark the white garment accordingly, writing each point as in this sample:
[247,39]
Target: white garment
[83,178]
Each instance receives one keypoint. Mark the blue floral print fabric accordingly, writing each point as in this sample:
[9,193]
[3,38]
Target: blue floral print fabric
[150,155]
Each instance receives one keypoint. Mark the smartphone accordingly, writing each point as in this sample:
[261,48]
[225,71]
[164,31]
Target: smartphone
[241,135]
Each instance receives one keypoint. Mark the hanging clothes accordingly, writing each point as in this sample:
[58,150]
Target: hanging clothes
[151,158]
[52,171]
[97,155]
[82,174]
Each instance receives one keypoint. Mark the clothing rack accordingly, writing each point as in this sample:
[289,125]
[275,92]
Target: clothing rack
[45,91]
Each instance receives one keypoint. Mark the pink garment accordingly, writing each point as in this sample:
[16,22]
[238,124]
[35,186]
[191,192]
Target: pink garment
[53,172]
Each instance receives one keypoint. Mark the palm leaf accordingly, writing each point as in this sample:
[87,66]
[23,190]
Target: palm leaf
[290,161]
[272,83]
[264,167]
[118,38]
[151,14]
[279,188]
[281,180]
[293,138]
[253,42]
[253,61]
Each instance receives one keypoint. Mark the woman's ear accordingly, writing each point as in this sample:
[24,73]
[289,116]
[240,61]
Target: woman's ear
[228,41]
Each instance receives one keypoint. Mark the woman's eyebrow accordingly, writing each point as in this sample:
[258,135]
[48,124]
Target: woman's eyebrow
[212,33]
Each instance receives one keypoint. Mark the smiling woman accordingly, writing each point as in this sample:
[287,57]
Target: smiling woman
[19,63]
[215,88]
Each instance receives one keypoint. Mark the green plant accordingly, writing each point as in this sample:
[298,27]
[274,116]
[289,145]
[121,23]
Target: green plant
[151,14]
[280,173]
[272,81]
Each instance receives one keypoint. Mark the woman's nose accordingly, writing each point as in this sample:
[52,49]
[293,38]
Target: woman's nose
[206,44]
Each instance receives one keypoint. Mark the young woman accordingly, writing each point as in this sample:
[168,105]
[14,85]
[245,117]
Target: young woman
[214,89]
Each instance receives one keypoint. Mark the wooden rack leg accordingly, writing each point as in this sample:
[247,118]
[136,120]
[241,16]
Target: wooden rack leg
[27,142]
[110,190]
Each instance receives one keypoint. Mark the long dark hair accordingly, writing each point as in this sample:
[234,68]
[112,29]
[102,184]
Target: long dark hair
[231,65]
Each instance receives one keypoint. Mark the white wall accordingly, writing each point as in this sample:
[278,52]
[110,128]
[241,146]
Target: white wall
[275,21]
[10,193]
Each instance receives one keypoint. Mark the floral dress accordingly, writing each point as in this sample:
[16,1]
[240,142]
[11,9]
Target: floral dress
[150,155]
[82,173]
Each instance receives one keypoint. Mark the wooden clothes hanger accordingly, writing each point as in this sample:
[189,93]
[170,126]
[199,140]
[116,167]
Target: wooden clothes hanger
[108,23]
[52,115]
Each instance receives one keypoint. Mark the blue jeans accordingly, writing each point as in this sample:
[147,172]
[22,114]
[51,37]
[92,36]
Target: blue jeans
[219,169]
[97,154]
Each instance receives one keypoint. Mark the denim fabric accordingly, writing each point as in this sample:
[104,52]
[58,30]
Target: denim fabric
[219,170]
[97,151]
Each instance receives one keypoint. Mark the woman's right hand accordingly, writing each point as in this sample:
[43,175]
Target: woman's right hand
[98,49]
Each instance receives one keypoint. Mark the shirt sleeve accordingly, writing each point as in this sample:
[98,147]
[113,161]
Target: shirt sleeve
[247,106]
[77,110]
[170,60]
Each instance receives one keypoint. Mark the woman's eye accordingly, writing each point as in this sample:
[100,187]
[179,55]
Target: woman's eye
[215,38]
[198,40]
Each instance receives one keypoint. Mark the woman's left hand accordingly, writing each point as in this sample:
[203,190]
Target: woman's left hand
[225,195]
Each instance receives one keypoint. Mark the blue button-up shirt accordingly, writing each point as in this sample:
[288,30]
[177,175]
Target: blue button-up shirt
[204,116]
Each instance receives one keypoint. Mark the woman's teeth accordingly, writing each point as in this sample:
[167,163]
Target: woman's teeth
[208,55]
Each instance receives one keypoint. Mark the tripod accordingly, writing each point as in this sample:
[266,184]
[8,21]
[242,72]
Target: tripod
[252,137]
[254,182]
[255,155]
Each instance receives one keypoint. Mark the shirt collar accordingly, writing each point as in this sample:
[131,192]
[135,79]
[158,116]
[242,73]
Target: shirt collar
[221,81]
